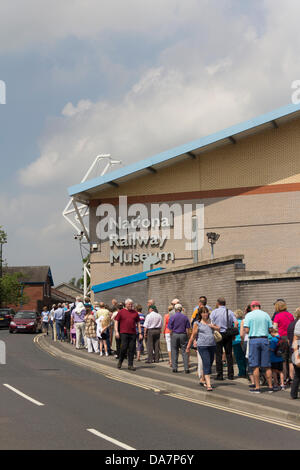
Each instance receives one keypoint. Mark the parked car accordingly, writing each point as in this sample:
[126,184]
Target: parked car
[6,315]
[26,321]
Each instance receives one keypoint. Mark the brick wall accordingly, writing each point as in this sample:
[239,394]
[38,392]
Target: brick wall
[212,279]
[226,277]
[137,291]
[35,295]
[268,290]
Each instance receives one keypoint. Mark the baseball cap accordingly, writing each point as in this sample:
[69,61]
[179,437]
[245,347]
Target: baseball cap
[279,300]
[254,303]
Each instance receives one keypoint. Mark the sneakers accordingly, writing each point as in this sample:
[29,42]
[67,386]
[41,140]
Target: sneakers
[131,368]
[282,387]
[255,390]
[119,365]
[271,390]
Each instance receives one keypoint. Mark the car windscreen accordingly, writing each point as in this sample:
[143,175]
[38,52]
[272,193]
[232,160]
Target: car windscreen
[25,315]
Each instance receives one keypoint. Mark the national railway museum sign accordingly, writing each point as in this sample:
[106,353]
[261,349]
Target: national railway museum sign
[147,229]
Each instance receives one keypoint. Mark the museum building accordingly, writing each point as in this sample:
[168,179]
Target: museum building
[241,183]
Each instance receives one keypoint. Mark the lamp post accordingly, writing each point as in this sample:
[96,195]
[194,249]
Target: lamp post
[3,240]
[212,238]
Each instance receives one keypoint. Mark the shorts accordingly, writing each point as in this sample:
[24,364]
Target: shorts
[259,354]
[103,336]
[277,366]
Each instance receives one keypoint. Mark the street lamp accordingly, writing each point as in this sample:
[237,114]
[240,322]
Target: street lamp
[3,240]
[212,238]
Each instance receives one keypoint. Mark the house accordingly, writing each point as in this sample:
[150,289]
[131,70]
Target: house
[68,290]
[36,284]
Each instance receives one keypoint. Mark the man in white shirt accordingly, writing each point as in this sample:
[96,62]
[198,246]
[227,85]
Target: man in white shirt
[152,329]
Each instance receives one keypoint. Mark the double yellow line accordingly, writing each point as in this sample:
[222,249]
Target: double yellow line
[265,419]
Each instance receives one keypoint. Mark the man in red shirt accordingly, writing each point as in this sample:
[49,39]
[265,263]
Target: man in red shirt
[128,319]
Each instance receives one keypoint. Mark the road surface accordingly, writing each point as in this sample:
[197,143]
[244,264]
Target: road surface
[47,403]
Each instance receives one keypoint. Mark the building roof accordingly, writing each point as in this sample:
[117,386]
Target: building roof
[62,285]
[84,191]
[58,296]
[31,274]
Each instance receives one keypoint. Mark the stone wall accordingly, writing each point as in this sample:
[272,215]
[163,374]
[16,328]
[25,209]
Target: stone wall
[137,291]
[268,288]
[210,278]
[226,277]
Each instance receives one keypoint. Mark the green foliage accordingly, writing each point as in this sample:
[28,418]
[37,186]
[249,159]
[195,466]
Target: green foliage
[11,290]
[79,283]
[3,236]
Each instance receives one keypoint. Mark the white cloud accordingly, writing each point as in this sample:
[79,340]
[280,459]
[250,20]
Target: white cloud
[222,69]
[26,24]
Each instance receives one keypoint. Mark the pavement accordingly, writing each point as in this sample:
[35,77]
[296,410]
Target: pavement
[228,395]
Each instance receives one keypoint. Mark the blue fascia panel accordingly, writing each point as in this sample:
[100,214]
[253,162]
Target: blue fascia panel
[123,281]
[181,150]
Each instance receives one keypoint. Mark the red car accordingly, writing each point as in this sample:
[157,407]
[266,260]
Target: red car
[26,321]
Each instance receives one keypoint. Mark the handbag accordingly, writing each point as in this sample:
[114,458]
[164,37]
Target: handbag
[218,337]
[231,331]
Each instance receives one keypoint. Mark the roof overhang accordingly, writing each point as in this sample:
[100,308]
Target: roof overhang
[85,191]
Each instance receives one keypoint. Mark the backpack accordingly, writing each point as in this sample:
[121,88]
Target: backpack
[281,346]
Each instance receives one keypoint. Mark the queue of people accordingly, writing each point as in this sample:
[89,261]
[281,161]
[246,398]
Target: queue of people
[265,349]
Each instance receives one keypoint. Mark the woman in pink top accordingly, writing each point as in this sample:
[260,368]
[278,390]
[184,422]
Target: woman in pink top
[282,320]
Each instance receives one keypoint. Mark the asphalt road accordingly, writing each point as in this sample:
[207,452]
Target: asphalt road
[71,401]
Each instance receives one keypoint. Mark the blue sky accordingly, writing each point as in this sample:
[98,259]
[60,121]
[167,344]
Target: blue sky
[90,77]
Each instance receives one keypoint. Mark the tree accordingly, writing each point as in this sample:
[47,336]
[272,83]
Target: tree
[11,290]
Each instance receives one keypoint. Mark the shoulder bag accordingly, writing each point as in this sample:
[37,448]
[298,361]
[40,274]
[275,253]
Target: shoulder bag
[231,331]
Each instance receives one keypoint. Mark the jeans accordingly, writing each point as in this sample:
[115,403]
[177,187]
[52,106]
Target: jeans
[207,354]
[60,329]
[179,341]
[127,347]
